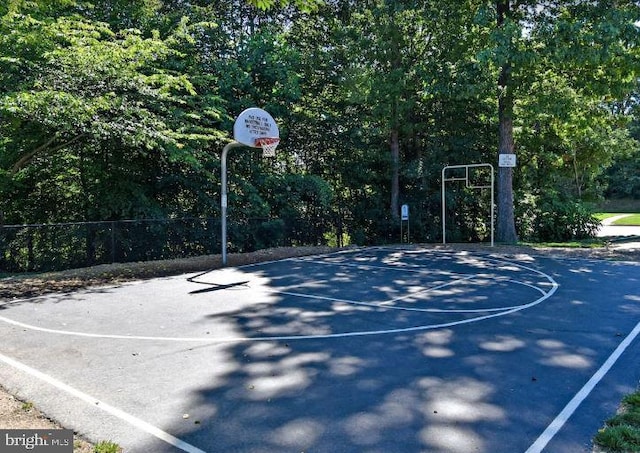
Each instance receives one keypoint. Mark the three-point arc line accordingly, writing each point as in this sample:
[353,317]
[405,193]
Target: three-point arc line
[536,447]
[492,313]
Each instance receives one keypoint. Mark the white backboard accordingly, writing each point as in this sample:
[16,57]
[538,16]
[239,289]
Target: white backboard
[254,123]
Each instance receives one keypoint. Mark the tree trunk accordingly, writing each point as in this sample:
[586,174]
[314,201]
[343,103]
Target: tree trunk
[506,219]
[28,157]
[395,174]
[577,177]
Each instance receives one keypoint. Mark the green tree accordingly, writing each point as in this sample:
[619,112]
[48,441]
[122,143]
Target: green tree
[589,47]
[118,109]
[622,179]
[101,101]
[305,5]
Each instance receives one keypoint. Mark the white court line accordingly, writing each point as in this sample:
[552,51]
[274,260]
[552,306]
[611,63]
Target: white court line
[571,407]
[190,448]
[94,402]
[479,310]
[292,337]
[365,266]
[502,312]
[386,304]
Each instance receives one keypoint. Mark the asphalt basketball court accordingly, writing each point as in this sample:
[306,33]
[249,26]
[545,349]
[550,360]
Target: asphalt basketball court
[366,350]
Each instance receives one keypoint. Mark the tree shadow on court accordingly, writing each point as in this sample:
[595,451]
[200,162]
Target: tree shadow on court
[489,386]
[492,385]
[54,297]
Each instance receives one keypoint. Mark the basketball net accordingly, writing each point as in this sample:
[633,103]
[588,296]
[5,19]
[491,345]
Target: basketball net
[268,145]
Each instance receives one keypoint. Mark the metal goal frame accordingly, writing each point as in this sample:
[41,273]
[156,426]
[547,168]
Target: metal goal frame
[469,184]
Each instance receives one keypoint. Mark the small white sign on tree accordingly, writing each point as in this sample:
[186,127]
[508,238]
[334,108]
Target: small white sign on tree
[507,160]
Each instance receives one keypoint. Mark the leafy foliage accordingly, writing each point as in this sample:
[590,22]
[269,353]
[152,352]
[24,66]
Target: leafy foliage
[114,109]
[554,217]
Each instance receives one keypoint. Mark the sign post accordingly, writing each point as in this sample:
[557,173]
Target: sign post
[254,128]
[404,217]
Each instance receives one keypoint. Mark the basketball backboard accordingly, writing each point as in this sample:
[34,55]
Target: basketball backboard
[254,124]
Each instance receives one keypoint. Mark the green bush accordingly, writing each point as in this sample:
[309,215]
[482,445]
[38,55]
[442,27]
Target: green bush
[623,438]
[553,218]
[622,432]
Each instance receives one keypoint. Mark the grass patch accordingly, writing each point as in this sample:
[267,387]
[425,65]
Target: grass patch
[27,406]
[581,244]
[605,215]
[622,432]
[632,400]
[619,439]
[106,446]
[630,220]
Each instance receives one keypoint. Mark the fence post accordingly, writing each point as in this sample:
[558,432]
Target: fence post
[113,241]
[30,256]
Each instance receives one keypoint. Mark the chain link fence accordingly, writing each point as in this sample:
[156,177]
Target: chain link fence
[49,247]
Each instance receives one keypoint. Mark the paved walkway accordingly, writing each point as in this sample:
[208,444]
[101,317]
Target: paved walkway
[610,230]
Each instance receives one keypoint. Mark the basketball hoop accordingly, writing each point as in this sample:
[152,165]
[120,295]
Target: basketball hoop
[268,145]
[254,128]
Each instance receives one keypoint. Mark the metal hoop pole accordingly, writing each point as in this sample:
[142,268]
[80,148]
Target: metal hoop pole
[223,197]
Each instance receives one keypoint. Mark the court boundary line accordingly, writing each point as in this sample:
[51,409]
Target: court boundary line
[178,443]
[502,312]
[289,337]
[99,404]
[539,444]
[554,427]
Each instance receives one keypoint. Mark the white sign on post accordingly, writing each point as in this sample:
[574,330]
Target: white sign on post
[507,160]
[404,212]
